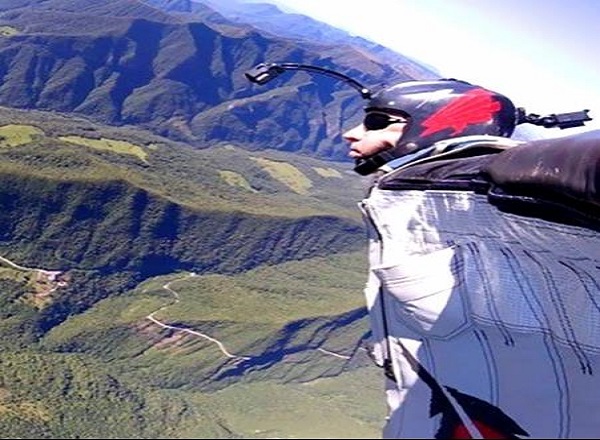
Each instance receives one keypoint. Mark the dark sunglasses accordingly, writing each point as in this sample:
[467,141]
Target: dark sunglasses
[379,121]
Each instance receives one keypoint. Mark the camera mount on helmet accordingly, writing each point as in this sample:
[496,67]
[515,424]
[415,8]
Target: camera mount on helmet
[435,110]
[560,120]
[265,72]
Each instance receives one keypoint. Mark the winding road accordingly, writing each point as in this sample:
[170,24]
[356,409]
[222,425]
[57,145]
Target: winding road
[51,275]
[219,344]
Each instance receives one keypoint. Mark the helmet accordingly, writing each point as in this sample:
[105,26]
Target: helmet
[436,110]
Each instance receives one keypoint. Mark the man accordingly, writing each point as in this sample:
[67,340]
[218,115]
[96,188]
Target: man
[484,259]
[485,319]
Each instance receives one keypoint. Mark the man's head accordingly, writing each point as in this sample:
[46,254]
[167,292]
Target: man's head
[413,115]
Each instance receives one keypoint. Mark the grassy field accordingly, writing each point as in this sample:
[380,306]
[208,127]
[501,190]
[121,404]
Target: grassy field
[111,145]
[13,135]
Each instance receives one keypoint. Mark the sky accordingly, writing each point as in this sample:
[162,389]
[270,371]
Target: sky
[542,54]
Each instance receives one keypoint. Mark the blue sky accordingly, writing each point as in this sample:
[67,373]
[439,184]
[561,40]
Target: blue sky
[543,54]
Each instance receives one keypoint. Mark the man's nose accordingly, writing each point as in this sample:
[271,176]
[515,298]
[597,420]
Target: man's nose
[354,134]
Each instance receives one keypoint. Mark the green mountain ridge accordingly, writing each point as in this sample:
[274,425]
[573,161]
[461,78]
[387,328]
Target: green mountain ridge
[105,211]
[301,186]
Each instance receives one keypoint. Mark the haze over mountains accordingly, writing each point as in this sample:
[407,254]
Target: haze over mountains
[180,250]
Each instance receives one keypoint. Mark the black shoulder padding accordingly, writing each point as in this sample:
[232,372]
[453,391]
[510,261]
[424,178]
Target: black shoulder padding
[560,174]
[457,170]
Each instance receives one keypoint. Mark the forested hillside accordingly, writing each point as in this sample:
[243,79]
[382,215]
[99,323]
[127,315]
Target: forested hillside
[181,255]
[123,62]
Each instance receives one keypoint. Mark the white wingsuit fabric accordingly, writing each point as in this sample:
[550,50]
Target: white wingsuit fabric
[498,306]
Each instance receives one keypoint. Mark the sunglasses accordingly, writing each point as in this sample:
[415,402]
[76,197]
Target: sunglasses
[379,121]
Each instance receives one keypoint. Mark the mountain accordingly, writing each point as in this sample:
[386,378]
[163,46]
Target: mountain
[181,255]
[75,194]
[125,255]
[181,76]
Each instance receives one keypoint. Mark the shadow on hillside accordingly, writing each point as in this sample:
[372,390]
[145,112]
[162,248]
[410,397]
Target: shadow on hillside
[286,347]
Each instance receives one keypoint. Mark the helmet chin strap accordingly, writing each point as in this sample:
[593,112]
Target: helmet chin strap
[392,161]
[367,165]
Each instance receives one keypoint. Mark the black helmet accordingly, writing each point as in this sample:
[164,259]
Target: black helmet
[436,110]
